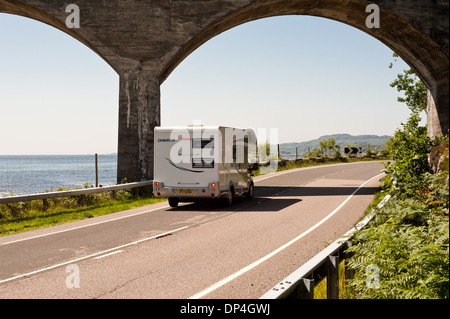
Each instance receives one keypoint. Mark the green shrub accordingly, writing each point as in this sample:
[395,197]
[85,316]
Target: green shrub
[409,149]
[410,246]
[407,242]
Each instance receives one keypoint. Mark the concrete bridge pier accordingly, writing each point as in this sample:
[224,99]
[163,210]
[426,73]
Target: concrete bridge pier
[139,113]
[437,109]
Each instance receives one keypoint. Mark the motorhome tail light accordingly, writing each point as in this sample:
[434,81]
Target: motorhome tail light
[213,188]
[156,183]
[158,194]
[203,190]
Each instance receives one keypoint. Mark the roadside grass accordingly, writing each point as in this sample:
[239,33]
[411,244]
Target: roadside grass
[26,216]
[320,291]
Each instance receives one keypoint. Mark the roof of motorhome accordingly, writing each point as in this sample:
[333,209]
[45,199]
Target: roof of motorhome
[188,127]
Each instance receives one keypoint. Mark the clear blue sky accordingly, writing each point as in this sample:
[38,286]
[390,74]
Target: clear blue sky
[304,75]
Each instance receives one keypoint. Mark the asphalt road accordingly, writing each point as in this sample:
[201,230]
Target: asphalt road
[196,250]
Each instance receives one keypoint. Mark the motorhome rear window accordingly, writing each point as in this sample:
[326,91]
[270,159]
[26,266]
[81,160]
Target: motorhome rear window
[202,143]
[203,151]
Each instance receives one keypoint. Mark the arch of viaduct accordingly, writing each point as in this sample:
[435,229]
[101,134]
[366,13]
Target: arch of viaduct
[145,40]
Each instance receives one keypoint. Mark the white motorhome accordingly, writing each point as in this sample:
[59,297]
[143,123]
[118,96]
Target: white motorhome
[197,162]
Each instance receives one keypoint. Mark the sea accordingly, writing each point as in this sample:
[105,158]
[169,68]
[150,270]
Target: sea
[32,174]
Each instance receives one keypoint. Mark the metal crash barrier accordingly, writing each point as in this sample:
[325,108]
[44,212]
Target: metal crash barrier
[300,284]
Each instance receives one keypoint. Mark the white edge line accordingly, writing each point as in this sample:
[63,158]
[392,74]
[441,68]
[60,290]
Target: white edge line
[110,254]
[280,173]
[276,251]
[84,226]
[92,255]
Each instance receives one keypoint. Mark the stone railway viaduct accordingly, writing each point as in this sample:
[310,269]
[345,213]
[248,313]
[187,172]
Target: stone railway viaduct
[145,40]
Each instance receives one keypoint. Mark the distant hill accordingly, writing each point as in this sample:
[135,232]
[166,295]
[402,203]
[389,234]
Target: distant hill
[375,141]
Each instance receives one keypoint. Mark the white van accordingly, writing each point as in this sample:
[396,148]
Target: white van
[197,162]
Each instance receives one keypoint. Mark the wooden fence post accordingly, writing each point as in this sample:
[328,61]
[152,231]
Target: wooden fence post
[96,170]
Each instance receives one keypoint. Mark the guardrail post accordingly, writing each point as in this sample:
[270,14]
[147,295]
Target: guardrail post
[306,289]
[136,192]
[349,273]
[45,204]
[333,277]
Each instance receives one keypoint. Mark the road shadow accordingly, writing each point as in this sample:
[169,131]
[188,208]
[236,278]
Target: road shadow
[265,199]
[260,204]
[263,191]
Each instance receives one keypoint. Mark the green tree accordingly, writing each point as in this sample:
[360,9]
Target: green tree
[313,153]
[327,145]
[409,149]
[413,89]
[264,152]
[337,151]
[370,151]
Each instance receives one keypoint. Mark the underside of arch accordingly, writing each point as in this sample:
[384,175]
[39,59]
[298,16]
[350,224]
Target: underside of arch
[32,12]
[414,46]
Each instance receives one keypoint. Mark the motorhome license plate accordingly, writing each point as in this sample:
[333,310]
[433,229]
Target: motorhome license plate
[185,191]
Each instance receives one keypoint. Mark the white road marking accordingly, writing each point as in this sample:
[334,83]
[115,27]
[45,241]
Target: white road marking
[84,226]
[276,174]
[113,253]
[92,255]
[276,251]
